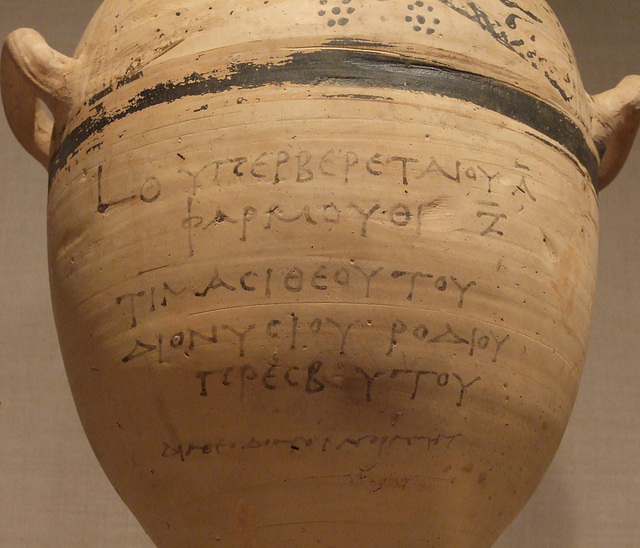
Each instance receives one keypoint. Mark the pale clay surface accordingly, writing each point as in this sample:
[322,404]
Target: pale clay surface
[296,309]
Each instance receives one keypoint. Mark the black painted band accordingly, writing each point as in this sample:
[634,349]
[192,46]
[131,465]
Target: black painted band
[354,69]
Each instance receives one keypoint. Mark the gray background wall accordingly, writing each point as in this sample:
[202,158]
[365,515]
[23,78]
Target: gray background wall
[52,491]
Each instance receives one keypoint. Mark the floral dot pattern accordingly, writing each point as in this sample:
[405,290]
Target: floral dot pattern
[337,13]
[420,17]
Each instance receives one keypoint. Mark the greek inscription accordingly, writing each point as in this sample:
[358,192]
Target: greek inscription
[216,282]
[494,219]
[364,282]
[343,331]
[190,223]
[338,164]
[193,335]
[302,167]
[404,161]
[129,298]
[277,214]
[212,178]
[293,280]
[282,157]
[367,275]
[414,383]
[149,192]
[435,167]
[304,174]
[219,218]
[366,215]
[490,178]
[477,340]
[248,214]
[241,336]
[375,160]
[375,444]
[400,215]
[414,219]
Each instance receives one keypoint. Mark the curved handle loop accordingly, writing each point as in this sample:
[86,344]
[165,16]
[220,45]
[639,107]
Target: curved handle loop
[31,70]
[615,124]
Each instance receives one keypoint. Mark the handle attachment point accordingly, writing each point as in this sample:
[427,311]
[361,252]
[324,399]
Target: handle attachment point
[615,123]
[30,70]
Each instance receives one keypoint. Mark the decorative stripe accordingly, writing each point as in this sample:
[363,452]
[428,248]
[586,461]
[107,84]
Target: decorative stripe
[349,68]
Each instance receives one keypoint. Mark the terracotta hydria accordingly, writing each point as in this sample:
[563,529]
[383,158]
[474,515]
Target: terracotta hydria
[322,271]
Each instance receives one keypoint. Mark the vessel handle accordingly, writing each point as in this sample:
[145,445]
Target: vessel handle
[30,70]
[615,123]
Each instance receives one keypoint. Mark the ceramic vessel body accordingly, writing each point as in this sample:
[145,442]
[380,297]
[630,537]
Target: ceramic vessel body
[323,271]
